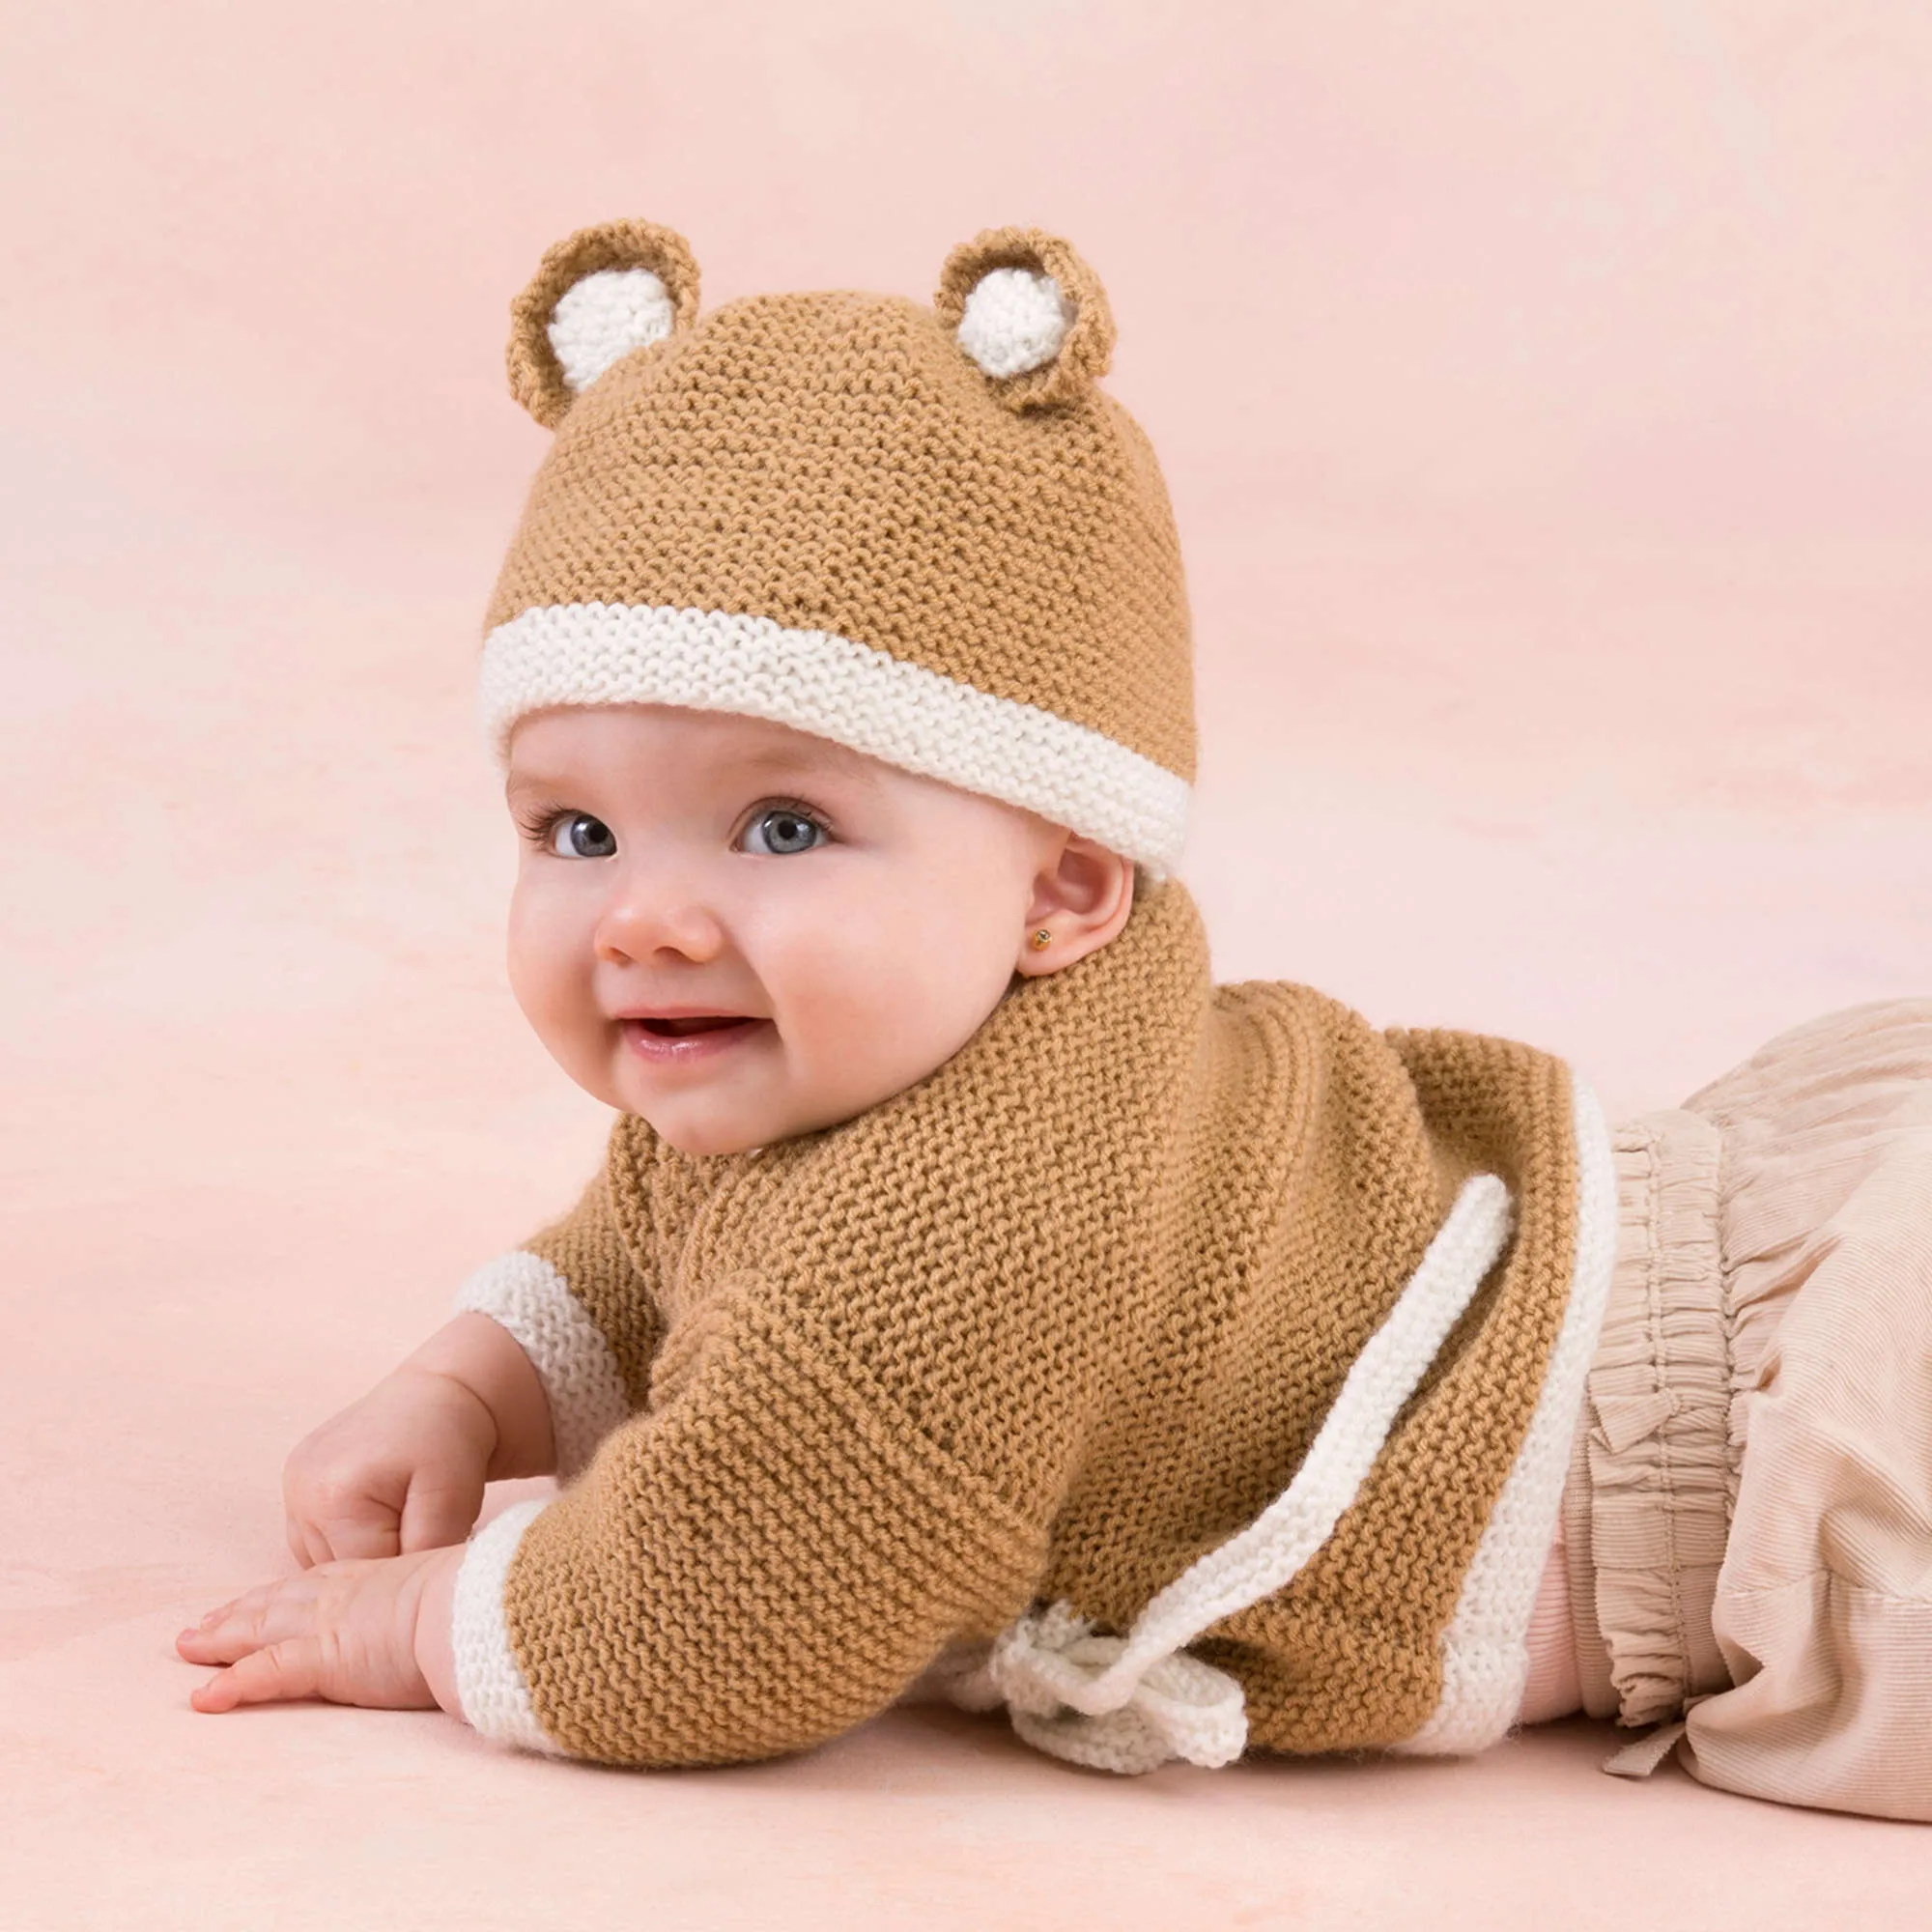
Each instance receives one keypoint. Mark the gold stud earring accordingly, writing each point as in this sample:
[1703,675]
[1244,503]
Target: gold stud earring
[1042,940]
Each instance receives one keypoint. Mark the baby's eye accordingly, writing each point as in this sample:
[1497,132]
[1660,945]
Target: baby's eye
[780,830]
[575,835]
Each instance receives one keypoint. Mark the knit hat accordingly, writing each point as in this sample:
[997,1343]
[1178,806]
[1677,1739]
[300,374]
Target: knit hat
[922,532]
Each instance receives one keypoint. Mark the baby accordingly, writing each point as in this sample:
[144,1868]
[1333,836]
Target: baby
[977,1302]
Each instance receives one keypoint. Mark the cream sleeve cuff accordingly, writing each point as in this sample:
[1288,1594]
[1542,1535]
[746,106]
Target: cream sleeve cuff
[580,1377]
[490,1682]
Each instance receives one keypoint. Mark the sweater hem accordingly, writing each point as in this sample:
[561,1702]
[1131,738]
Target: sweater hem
[1485,1650]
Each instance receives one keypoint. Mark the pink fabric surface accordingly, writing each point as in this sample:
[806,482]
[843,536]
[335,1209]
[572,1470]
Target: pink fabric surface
[1542,395]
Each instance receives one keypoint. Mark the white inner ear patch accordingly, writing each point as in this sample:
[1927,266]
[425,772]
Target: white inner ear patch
[601,319]
[1015,319]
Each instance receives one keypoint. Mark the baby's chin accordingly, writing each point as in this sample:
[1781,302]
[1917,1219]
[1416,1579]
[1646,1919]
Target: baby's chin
[705,1143]
[708,1122]
[705,1134]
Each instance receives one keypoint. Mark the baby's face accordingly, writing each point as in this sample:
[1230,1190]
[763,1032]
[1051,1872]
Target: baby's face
[741,932]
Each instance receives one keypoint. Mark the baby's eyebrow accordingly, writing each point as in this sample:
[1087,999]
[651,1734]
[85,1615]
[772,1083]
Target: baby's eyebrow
[521,782]
[833,760]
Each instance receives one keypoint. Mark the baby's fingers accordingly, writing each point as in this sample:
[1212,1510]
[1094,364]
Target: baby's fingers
[231,1633]
[290,1669]
[440,1508]
[248,1622]
[306,1544]
[358,1539]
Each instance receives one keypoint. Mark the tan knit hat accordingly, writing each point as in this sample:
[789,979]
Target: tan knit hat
[923,532]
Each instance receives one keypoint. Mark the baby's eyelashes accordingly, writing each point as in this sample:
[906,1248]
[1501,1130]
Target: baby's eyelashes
[779,831]
[570,834]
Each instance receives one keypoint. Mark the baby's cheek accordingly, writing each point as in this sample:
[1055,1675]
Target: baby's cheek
[553,989]
[839,1012]
[525,955]
[848,1030]
[547,973]
[881,980]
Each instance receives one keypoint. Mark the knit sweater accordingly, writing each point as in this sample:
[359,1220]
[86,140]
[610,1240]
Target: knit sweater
[1048,1327]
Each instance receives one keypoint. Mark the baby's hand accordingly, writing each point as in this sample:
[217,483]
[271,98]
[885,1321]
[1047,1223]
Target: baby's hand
[347,1631]
[402,1469]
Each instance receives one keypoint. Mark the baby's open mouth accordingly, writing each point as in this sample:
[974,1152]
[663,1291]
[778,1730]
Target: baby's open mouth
[688,1040]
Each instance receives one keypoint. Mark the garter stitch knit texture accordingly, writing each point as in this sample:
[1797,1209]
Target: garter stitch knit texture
[1047,1326]
[823,509]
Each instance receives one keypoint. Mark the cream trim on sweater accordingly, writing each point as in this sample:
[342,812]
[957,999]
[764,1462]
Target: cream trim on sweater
[579,1374]
[1019,1336]
[488,1683]
[1106,1702]
[1117,1703]
[1486,1648]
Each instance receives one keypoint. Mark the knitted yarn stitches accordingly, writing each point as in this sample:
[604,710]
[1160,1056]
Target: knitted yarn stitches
[1046,1329]
[924,532]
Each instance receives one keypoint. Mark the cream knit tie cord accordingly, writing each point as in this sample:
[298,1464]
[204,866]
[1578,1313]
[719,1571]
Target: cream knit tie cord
[1131,1703]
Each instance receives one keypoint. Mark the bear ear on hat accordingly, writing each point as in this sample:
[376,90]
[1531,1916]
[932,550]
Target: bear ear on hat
[596,297]
[1030,313]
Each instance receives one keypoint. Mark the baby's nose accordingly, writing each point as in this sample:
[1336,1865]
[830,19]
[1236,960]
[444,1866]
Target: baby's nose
[639,926]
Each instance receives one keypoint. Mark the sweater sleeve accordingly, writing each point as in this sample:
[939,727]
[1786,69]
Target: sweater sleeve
[573,1298]
[757,1564]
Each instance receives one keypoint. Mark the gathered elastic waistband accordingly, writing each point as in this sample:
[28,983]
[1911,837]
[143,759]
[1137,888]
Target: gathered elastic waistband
[1654,1470]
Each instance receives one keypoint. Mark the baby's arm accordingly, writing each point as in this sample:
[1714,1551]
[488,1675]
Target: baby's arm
[759,1562]
[481,1356]
[572,1302]
[403,1467]
[525,1380]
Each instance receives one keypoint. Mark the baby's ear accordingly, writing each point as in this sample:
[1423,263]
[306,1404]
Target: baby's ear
[1030,312]
[596,297]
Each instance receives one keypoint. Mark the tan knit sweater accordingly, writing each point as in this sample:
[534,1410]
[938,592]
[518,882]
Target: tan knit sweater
[1048,1325]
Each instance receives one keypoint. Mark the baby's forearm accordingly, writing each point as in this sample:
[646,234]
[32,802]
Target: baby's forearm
[487,1360]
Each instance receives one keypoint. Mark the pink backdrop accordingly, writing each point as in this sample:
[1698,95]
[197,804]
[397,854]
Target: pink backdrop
[1542,390]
